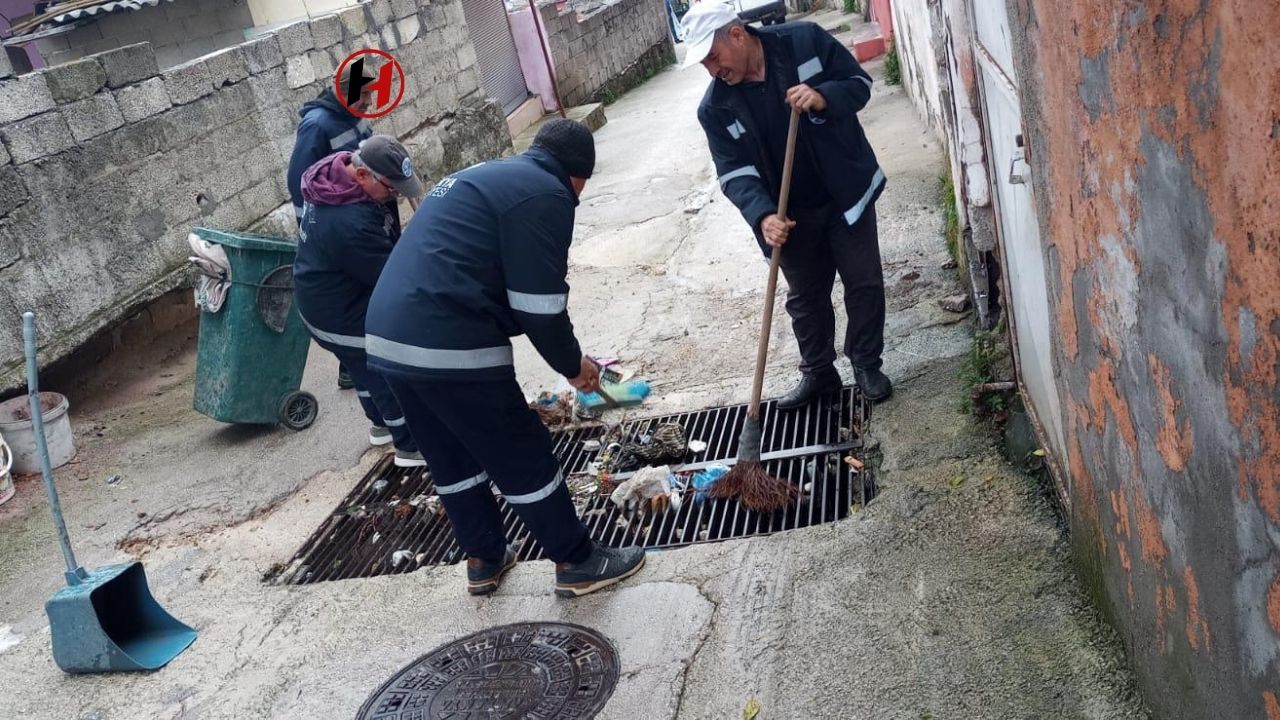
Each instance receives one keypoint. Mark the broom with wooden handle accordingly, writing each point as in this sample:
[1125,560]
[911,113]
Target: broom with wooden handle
[747,481]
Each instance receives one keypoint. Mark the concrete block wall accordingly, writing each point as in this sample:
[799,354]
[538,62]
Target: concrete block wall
[608,51]
[107,162]
[178,30]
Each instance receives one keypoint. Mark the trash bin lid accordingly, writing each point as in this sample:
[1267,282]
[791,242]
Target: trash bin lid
[245,241]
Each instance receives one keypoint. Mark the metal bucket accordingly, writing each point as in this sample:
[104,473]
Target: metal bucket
[17,428]
[6,478]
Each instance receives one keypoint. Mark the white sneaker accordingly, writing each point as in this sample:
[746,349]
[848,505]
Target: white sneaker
[409,459]
[379,436]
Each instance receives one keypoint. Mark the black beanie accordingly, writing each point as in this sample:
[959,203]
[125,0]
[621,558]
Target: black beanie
[570,142]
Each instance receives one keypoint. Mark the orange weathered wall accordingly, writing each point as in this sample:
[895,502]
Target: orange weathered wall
[1154,131]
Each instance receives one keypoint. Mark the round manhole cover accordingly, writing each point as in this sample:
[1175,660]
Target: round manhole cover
[527,671]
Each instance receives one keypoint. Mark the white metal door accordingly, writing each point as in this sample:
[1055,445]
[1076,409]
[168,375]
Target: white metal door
[496,55]
[1028,306]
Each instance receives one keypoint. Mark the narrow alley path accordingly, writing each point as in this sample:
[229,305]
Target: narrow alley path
[949,597]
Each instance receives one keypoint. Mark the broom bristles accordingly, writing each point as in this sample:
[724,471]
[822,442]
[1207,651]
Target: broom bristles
[756,489]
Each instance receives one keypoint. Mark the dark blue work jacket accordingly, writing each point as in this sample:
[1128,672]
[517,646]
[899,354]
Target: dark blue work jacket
[749,175]
[324,128]
[341,252]
[483,260]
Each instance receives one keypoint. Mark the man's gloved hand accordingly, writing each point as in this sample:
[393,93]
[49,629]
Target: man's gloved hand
[806,99]
[775,229]
[588,379]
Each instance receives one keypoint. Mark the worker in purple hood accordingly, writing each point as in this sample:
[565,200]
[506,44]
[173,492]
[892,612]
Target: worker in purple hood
[347,232]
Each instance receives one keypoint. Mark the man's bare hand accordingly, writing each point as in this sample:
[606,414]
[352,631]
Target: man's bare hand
[806,99]
[775,230]
[588,379]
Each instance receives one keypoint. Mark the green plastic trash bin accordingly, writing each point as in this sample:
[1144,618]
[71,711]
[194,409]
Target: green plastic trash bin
[252,351]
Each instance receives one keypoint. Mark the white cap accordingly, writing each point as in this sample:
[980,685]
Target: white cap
[700,25]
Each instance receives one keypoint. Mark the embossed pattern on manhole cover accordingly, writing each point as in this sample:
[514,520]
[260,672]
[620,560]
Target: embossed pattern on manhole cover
[526,671]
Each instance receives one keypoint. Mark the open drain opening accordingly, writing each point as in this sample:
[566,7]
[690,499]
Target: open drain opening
[391,522]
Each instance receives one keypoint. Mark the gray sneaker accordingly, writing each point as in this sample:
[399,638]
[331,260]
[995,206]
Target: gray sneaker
[605,566]
[379,436]
[483,577]
[407,459]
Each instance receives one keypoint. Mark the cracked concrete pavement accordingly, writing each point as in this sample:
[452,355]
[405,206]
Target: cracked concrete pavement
[949,596]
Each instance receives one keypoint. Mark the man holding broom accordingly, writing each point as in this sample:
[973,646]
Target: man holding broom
[760,76]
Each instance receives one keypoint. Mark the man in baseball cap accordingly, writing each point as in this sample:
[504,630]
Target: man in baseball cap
[700,26]
[389,162]
[350,224]
[759,77]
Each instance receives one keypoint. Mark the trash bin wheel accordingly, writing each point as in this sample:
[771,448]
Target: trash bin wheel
[298,410]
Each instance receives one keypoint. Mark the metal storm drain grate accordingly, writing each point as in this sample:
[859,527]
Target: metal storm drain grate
[392,522]
[532,671]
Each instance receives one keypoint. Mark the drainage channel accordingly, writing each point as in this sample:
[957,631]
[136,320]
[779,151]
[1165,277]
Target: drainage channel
[391,522]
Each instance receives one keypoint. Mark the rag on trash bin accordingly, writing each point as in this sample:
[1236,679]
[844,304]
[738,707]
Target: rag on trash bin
[210,261]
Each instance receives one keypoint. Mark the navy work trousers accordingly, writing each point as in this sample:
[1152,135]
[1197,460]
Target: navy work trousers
[375,396]
[821,246]
[476,433]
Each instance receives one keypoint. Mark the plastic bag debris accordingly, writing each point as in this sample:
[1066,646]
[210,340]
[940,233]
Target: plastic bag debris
[703,481]
[627,394]
[429,503]
[644,487]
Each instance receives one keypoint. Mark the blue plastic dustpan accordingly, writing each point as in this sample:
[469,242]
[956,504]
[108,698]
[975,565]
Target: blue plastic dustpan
[109,622]
[105,620]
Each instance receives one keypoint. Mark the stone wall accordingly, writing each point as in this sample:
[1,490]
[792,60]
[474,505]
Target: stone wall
[178,31]
[608,51]
[107,162]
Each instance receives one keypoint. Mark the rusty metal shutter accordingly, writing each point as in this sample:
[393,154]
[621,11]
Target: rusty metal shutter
[496,56]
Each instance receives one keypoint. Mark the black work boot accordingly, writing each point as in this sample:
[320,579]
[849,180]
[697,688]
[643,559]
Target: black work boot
[875,385]
[812,386]
[344,379]
[483,578]
[605,566]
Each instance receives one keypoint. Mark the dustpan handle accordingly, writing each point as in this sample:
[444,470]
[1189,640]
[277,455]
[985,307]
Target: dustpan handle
[75,574]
